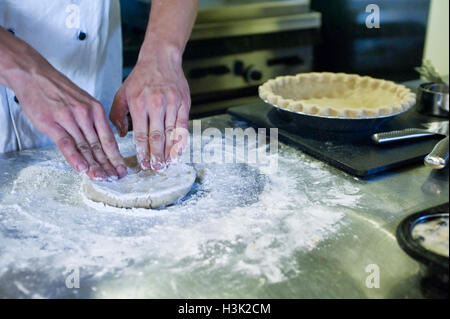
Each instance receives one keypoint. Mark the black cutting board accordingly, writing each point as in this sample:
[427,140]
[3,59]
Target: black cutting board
[352,152]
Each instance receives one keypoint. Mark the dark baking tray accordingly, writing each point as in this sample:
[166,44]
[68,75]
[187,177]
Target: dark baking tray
[352,152]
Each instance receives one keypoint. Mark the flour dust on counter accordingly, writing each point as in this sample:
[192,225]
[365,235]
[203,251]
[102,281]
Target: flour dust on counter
[238,230]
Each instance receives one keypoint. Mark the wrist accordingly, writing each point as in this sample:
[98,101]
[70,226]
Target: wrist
[152,51]
[18,62]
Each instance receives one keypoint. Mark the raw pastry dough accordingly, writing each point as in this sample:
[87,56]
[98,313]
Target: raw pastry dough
[337,95]
[142,189]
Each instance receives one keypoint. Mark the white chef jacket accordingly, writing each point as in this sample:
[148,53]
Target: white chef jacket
[80,38]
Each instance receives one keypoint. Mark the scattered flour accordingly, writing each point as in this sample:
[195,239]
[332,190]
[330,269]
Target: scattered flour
[236,225]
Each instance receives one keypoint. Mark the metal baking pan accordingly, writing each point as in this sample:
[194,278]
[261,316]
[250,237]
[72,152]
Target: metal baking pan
[334,123]
[434,267]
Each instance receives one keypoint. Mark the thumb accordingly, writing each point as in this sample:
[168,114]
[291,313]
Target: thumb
[119,111]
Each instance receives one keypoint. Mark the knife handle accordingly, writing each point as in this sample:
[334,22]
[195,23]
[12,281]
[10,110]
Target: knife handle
[406,134]
[438,158]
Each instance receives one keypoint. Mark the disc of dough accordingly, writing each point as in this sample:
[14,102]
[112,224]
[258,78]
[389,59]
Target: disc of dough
[142,189]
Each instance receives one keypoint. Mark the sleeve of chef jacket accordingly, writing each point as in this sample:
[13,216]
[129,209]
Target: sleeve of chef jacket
[82,40]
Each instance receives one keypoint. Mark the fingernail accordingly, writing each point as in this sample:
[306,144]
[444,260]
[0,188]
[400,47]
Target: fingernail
[100,175]
[82,168]
[143,161]
[145,164]
[157,164]
[122,170]
[112,174]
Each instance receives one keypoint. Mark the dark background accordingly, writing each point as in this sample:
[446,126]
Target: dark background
[343,43]
[391,52]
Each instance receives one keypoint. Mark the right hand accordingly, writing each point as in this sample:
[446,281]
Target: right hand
[74,120]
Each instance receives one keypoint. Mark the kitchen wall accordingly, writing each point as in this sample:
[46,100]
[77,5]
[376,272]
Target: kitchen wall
[437,43]
[391,51]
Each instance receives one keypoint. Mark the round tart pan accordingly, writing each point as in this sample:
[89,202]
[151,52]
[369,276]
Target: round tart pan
[341,119]
[433,266]
[329,123]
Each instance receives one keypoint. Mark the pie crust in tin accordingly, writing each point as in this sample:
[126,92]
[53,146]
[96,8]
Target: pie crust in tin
[337,95]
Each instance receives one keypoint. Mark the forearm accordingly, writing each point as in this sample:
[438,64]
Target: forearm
[169,28]
[156,93]
[18,61]
[12,52]
[60,109]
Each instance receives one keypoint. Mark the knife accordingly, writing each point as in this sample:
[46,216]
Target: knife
[431,128]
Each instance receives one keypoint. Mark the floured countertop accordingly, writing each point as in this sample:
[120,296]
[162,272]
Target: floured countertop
[307,230]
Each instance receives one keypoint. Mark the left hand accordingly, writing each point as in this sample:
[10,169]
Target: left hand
[157,96]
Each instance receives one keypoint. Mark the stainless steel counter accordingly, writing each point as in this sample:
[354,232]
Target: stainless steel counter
[306,231]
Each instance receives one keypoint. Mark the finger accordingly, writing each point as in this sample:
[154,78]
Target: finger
[97,150]
[181,133]
[139,118]
[109,143]
[87,127]
[173,105]
[157,110]
[69,124]
[110,170]
[171,117]
[119,111]
[180,137]
[67,146]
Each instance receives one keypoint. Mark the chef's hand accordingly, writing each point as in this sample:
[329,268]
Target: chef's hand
[156,94]
[74,120]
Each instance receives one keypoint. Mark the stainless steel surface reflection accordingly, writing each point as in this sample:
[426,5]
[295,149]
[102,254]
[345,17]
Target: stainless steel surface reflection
[228,18]
[311,231]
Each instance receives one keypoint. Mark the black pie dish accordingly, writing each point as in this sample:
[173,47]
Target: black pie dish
[434,267]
